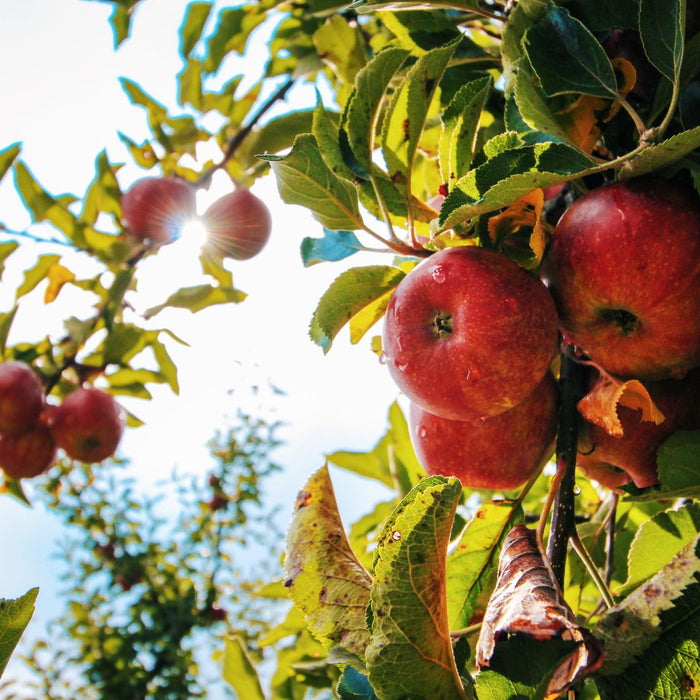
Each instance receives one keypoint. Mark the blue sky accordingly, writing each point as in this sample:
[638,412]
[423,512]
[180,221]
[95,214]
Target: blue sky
[62,100]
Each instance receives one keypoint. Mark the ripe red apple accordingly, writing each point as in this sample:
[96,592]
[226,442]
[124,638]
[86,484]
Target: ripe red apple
[21,397]
[155,208]
[27,454]
[614,461]
[238,225]
[501,452]
[469,334]
[624,271]
[88,425]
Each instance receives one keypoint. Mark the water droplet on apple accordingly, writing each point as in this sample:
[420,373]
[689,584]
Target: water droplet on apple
[383,359]
[422,433]
[577,490]
[439,274]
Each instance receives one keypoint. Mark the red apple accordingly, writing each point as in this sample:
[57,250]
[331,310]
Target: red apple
[155,208]
[27,454]
[501,452]
[614,461]
[21,397]
[469,334]
[88,425]
[624,271]
[238,225]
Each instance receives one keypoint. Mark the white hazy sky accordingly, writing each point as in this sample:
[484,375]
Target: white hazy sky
[62,100]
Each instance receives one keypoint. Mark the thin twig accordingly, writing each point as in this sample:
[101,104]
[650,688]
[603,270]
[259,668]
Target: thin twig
[241,135]
[592,569]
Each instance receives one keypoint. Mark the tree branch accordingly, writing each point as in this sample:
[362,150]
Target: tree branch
[240,136]
[572,387]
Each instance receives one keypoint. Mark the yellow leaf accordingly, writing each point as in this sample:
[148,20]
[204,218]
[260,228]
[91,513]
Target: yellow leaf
[524,212]
[599,405]
[58,275]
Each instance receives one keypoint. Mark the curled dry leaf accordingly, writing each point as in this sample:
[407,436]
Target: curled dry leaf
[599,405]
[527,601]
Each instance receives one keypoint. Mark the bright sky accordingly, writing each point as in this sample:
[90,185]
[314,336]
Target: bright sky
[62,100]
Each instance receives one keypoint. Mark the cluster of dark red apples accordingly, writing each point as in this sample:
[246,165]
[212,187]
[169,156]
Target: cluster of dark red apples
[470,337]
[154,210]
[88,424]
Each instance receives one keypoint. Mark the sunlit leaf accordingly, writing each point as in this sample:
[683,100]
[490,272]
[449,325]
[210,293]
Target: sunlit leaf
[657,541]
[472,565]
[14,617]
[233,28]
[334,246]
[662,154]
[323,575]
[7,157]
[35,275]
[304,178]
[410,651]
[239,670]
[341,45]
[195,299]
[679,463]
[192,26]
[103,193]
[350,293]
[58,275]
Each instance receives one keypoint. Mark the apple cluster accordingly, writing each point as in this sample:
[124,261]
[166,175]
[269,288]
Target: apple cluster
[154,210]
[624,271]
[87,425]
[469,338]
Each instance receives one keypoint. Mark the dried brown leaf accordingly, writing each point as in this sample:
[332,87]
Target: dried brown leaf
[599,405]
[528,601]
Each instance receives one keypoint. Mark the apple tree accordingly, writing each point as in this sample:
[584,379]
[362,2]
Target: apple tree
[527,174]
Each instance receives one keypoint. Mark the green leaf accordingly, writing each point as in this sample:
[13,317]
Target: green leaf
[7,158]
[662,154]
[567,58]
[35,275]
[231,33]
[190,84]
[192,26]
[509,175]
[14,617]
[348,295]
[661,29]
[323,575]
[6,249]
[603,15]
[460,123]
[6,320]
[197,298]
[409,108]
[342,46]
[679,463]
[44,207]
[392,461]
[165,363]
[135,93]
[304,178]
[327,133]
[143,154]
[120,19]
[103,194]
[472,566]
[353,685]
[334,246]
[359,119]
[362,6]
[657,541]
[410,651]
[239,670]
[522,668]
[651,638]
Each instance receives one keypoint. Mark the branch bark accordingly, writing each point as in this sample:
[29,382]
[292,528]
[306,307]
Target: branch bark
[572,387]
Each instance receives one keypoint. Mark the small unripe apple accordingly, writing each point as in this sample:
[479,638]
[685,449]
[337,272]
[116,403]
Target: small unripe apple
[501,452]
[624,271]
[21,397]
[468,333]
[238,225]
[88,425]
[27,454]
[155,208]
[614,461]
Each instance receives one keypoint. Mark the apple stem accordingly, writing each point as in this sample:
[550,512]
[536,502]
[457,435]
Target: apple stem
[572,388]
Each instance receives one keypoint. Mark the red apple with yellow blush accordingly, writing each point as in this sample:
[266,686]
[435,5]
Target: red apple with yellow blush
[21,397]
[468,333]
[501,452]
[624,271]
[27,454]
